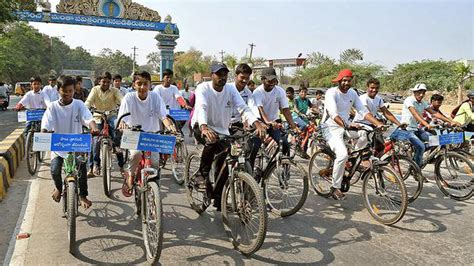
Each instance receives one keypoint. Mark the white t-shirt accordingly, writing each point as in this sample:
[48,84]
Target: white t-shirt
[148,113]
[124,90]
[66,119]
[169,95]
[246,95]
[50,94]
[32,100]
[215,108]
[373,105]
[271,101]
[407,117]
[340,104]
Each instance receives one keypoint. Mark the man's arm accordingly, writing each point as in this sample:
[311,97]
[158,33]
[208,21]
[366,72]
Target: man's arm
[441,116]
[331,108]
[389,115]
[90,99]
[361,109]
[418,118]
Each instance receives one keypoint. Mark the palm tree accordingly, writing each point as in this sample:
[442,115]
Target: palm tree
[350,56]
[316,59]
[464,73]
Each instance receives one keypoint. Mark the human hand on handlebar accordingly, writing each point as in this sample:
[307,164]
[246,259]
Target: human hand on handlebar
[122,125]
[208,134]
[260,129]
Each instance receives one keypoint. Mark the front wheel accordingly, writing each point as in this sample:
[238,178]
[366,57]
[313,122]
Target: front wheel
[31,156]
[197,198]
[106,165]
[320,172]
[71,215]
[384,194]
[152,222]
[243,213]
[178,160]
[454,176]
[285,187]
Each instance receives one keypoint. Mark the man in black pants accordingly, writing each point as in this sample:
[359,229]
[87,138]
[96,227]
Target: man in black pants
[215,102]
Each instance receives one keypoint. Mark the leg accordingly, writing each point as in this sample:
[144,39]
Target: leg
[335,138]
[419,148]
[82,179]
[96,149]
[225,174]
[255,147]
[56,167]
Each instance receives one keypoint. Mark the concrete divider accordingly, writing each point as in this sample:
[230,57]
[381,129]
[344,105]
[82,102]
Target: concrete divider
[12,151]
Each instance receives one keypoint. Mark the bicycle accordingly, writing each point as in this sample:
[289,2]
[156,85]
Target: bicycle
[106,146]
[242,202]
[301,142]
[382,187]
[33,158]
[284,182]
[147,197]
[178,159]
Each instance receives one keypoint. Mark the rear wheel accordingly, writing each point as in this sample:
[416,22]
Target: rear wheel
[243,213]
[152,222]
[71,215]
[320,172]
[410,173]
[31,156]
[455,176]
[178,162]
[285,187]
[106,167]
[384,194]
[197,198]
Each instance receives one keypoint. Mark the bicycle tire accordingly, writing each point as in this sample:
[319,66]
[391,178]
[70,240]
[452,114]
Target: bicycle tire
[399,200]
[273,185]
[31,156]
[448,188]
[243,185]
[152,208]
[196,198]
[320,174]
[71,215]
[178,160]
[413,185]
[41,155]
[105,167]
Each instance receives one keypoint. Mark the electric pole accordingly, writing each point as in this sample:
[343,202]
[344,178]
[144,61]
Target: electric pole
[134,58]
[251,50]
[222,55]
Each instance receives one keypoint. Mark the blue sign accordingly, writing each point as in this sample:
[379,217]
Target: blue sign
[34,115]
[452,138]
[71,142]
[180,114]
[156,143]
[110,22]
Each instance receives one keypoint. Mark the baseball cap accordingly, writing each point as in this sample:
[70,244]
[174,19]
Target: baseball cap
[419,87]
[216,66]
[343,73]
[269,73]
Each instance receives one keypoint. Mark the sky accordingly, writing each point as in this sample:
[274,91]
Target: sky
[387,32]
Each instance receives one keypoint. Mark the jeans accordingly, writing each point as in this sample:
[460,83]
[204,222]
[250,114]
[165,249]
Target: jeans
[56,168]
[257,142]
[94,159]
[417,138]
[300,122]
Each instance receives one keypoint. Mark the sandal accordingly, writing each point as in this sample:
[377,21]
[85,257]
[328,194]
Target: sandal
[337,194]
[85,202]
[127,184]
[56,195]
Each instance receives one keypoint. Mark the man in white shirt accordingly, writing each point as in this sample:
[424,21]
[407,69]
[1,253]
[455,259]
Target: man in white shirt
[242,77]
[117,83]
[50,92]
[185,93]
[146,109]
[338,104]
[267,101]
[412,115]
[170,93]
[215,102]
[67,115]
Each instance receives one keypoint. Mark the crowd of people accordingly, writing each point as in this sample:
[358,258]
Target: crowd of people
[217,105]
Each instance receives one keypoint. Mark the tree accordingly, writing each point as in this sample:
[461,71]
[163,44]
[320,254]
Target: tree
[463,72]
[351,56]
[113,62]
[154,60]
[317,58]
[190,62]
[79,58]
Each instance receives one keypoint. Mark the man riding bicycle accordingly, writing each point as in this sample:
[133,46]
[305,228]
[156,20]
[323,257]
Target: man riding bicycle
[215,101]
[32,100]
[335,122]
[242,77]
[104,98]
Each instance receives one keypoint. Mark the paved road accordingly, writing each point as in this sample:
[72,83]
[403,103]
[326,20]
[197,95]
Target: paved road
[8,119]
[435,230]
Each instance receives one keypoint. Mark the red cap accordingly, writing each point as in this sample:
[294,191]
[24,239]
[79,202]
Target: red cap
[343,73]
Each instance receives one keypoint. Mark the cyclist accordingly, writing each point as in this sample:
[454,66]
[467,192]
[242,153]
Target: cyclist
[302,106]
[412,112]
[251,85]
[215,102]
[268,100]
[50,92]
[67,115]
[146,109]
[436,101]
[33,99]
[170,93]
[118,85]
[79,92]
[338,103]
[317,103]
[242,77]
[104,98]
[465,113]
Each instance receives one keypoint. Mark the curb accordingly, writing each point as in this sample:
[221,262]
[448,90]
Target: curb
[12,151]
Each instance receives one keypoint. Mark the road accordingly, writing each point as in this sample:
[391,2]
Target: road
[8,119]
[435,230]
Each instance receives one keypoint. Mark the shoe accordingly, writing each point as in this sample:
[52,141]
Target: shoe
[337,194]
[200,182]
[90,174]
[96,171]
[217,204]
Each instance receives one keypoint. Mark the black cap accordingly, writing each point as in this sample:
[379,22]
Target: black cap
[52,78]
[269,73]
[216,66]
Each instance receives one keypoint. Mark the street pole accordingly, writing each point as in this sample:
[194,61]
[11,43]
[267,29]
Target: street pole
[134,58]
[251,51]
[222,55]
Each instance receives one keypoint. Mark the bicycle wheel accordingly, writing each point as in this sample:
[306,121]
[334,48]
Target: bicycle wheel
[320,172]
[105,161]
[243,213]
[198,199]
[178,159]
[385,195]
[410,173]
[31,156]
[285,187]
[41,155]
[152,222]
[71,215]
[454,176]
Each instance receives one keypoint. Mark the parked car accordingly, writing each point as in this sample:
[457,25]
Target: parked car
[21,88]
